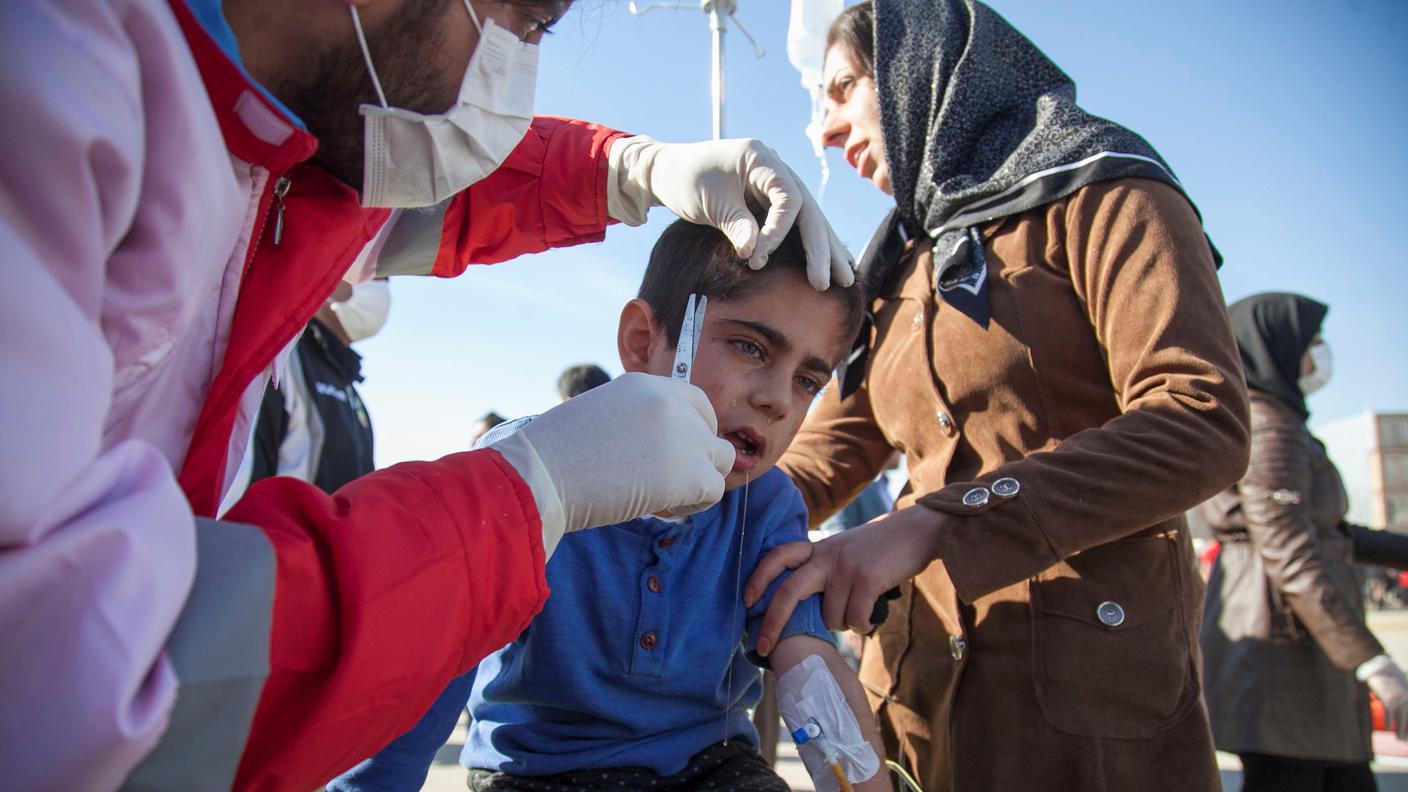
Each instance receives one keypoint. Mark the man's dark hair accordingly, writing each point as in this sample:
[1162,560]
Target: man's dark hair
[698,259]
[854,30]
[491,419]
[577,380]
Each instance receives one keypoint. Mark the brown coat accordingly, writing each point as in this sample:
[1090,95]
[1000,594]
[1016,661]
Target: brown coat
[1284,628]
[1105,398]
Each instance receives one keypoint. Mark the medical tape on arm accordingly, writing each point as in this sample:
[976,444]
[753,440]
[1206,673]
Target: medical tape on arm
[808,692]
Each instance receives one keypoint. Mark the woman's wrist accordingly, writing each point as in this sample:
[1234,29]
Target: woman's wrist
[929,524]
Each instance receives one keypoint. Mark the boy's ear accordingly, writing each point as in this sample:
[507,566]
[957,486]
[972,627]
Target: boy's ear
[637,335]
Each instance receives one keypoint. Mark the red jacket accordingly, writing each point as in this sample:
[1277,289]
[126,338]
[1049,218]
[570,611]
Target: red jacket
[409,576]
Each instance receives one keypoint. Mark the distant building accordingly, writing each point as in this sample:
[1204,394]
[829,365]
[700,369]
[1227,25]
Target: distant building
[1371,451]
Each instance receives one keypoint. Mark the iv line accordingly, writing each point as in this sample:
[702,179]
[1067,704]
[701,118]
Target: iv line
[905,778]
[737,603]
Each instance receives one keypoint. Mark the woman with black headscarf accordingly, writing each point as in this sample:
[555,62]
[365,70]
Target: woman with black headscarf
[1283,635]
[1051,351]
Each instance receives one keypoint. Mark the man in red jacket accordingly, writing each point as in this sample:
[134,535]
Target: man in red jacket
[182,184]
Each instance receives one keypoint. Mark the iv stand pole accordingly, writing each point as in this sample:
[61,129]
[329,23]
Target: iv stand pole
[718,24]
[719,11]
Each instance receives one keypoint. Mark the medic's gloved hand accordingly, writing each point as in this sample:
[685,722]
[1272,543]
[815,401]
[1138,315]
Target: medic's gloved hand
[1385,678]
[710,183]
[637,445]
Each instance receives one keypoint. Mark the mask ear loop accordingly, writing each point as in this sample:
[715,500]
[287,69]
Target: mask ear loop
[473,17]
[367,54]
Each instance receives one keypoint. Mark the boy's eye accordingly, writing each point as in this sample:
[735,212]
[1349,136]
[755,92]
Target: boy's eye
[748,348]
[810,386]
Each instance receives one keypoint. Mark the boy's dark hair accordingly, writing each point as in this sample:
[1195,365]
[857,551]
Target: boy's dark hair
[576,380]
[698,259]
[491,419]
[854,30]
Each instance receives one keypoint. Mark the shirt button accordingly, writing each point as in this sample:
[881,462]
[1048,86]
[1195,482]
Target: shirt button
[667,541]
[975,497]
[945,423]
[1110,614]
[957,647]
[654,584]
[648,641]
[1006,487]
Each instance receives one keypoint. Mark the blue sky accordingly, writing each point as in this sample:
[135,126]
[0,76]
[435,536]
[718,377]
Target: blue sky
[1287,122]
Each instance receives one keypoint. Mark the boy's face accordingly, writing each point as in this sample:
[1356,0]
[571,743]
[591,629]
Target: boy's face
[761,360]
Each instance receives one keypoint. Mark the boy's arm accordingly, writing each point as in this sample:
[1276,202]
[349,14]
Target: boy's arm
[805,636]
[792,651]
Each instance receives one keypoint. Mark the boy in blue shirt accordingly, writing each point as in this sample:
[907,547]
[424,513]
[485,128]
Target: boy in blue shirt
[637,673]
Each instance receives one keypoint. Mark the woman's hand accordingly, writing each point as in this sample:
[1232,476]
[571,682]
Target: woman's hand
[851,570]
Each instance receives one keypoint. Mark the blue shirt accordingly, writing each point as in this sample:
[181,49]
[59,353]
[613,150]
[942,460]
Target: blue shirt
[627,665]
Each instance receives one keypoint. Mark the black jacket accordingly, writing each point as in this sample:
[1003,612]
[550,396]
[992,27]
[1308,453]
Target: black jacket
[330,371]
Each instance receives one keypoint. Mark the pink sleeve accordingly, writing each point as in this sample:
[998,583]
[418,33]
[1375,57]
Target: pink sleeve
[97,545]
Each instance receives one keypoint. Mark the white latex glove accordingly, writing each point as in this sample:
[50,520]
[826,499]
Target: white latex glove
[637,445]
[710,183]
[1385,678]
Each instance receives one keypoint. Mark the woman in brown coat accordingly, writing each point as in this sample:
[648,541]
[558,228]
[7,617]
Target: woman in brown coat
[1051,351]
[1284,635]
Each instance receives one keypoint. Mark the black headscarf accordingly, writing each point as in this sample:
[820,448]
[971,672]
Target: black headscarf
[978,125]
[1273,331]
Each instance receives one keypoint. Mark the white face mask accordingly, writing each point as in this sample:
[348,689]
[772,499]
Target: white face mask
[413,160]
[364,313]
[1323,367]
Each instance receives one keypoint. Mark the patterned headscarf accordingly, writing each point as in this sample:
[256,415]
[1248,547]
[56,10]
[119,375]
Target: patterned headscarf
[978,125]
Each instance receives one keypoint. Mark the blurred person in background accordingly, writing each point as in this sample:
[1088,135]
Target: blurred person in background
[313,425]
[1286,650]
[482,426]
[576,380]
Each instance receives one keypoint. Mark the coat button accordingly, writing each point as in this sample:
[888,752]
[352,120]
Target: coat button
[666,542]
[975,497]
[1110,614]
[648,641]
[1006,487]
[654,584]
[945,423]
[919,319]
[957,646]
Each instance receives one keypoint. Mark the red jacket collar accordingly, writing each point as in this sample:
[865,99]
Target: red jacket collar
[255,131]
